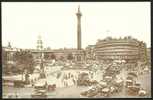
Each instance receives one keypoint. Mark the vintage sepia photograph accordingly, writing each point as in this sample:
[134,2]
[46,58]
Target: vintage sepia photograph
[76,49]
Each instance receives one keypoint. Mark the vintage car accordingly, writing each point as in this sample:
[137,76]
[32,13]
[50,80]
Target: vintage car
[19,83]
[129,83]
[114,89]
[83,79]
[138,85]
[8,83]
[40,89]
[93,91]
[118,85]
[39,94]
[92,82]
[132,74]
[129,78]
[118,82]
[42,83]
[84,93]
[108,78]
[133,90]
[142,92]
[103,84]
[105,92]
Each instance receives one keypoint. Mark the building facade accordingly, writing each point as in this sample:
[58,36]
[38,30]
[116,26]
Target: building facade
[90,52]
[126,48]
[149,55]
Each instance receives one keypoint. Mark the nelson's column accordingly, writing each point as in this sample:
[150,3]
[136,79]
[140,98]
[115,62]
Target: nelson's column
[78,14]
[80,53]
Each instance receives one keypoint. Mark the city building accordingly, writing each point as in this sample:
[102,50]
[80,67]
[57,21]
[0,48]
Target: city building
[9,51]
[127,48]
[149,55]
[90,52]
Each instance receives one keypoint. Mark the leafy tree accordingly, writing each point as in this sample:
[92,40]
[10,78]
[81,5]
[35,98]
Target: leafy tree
[6,69]
[24,60]
[53,56]
[4,57]
[46,57]
[70,56]
[61,58]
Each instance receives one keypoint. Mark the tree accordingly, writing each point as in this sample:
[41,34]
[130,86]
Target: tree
[70,56]
[61,58]
[4,57]
[109,38]
[53,56]
[46,57]
[24,61]
[5,67]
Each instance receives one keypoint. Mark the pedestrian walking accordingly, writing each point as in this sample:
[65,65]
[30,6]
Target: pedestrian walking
[73,81]
[64,83]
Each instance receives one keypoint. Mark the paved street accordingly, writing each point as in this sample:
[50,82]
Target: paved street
[66,92]
[74,91]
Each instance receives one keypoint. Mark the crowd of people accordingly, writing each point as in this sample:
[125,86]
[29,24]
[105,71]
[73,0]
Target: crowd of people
[69,79]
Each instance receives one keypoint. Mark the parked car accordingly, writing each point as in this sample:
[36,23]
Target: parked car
[129,82]
[132,74]
[103,84]
[39,94]
[19,83]
[40,90]
[42,83]
[118,84]
[93,91]
[142,92]
[133,90]
[105,92]
[108,78]
[83,79]
[114,89]
[93,82]
[84,93]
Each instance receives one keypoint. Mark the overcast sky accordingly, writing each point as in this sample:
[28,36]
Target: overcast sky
[57,22]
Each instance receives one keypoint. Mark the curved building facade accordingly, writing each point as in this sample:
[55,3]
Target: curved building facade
[127,48]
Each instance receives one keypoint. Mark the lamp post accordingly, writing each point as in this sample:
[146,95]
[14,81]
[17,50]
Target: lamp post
[40,48]
[42,74]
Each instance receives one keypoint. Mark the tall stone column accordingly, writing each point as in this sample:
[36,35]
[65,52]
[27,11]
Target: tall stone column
[78,14]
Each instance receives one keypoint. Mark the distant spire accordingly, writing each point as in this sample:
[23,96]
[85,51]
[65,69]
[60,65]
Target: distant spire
[79,8]
[79,12]
[39,43]
[9,44]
